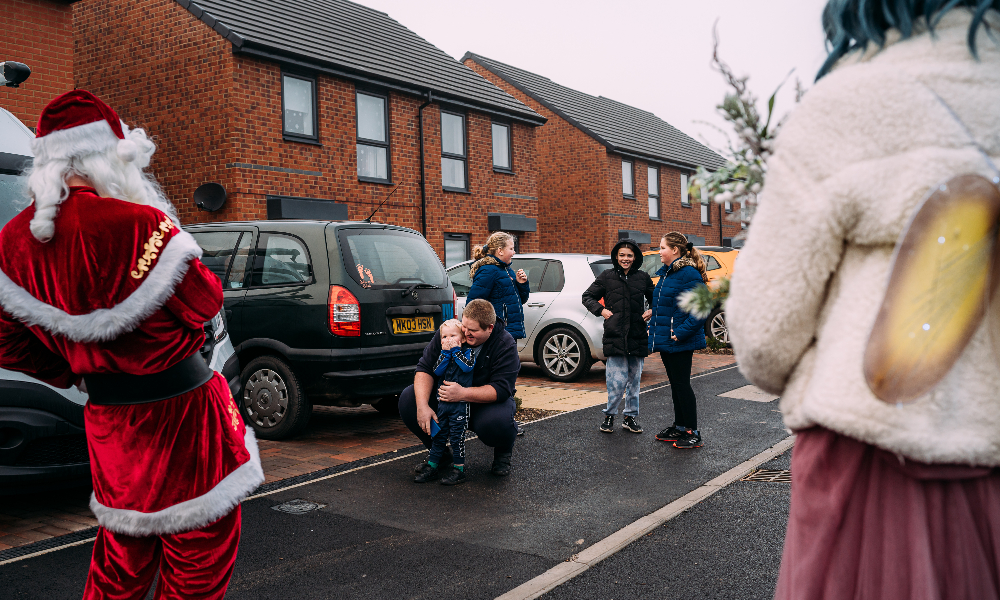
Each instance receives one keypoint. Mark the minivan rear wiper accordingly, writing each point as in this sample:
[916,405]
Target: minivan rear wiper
[419,285]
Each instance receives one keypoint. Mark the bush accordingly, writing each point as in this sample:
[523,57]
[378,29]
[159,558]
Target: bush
[517,403]
[715,344]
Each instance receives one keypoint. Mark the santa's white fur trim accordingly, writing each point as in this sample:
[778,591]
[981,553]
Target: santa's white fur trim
[91,138]
[191,514]
[107,323]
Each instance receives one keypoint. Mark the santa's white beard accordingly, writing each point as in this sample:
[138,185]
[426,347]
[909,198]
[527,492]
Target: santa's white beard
[110,175]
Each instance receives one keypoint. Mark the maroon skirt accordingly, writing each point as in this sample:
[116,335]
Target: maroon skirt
[865,525]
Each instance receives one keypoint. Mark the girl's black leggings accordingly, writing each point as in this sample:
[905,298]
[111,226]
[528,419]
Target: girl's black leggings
[678,366]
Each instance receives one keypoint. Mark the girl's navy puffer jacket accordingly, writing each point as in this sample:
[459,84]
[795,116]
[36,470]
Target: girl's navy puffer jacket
[495,281]
[680,277]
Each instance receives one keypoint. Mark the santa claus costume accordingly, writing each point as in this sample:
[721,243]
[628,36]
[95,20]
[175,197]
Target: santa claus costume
[98,282]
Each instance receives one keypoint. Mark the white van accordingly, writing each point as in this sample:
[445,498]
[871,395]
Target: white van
[42,440]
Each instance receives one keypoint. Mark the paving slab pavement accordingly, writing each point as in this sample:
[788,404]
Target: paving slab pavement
[380,535]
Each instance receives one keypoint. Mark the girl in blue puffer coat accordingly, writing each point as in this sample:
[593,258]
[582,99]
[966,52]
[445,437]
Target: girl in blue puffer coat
[494,280]
[676,334]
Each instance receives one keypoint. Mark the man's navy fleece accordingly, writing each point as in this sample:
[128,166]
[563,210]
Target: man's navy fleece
[497,364]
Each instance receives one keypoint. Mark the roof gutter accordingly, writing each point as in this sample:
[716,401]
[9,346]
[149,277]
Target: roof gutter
[423,175]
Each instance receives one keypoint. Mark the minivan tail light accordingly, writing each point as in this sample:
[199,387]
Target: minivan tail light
[345,312]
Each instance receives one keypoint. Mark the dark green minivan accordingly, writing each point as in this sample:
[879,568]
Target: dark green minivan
[324,313]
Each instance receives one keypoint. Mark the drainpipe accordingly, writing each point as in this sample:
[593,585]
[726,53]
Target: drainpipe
[720,225]
[423,176]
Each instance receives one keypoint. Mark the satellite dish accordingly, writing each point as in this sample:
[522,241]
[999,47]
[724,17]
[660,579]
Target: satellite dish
[210,196]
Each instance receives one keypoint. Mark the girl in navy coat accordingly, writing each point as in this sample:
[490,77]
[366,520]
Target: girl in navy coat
[676,334]
[494,280]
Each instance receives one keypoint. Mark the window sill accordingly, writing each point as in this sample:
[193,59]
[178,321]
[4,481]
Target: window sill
[504,171]
[706,224]
[456,190]
[685,205]
[374,180]
[311,142]
[627,197]
[655,219]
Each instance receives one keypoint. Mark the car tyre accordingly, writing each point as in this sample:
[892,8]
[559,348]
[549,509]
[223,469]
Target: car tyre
[272,401]
[563,355]
[387,406]
[716,326]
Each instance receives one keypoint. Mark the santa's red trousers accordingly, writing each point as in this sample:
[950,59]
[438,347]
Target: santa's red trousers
[194,564]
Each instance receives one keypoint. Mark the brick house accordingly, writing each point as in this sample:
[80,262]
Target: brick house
[607,170]
[38,33]
[320,114]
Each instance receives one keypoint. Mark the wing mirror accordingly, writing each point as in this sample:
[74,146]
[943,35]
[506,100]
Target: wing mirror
[13,74]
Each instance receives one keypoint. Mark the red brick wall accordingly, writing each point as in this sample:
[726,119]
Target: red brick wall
[582,205]
[38,33]
[213,113]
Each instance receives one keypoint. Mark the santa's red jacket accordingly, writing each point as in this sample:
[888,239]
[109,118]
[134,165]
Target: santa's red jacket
[119,289]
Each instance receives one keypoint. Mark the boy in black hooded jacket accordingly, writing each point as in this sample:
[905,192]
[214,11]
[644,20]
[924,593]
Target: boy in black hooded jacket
[617,295]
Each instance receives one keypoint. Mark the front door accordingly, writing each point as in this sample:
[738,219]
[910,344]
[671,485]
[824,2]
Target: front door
[227,253]
[545,280]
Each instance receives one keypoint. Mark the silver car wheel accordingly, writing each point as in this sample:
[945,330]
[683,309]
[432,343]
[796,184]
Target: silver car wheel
[265,397]
[561,355]
[718,327]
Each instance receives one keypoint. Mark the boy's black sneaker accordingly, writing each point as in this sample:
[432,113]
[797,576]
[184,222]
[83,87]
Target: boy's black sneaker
[608,426]
[671,434]
[630,424]
[688,440]
[427,473]
[446,460]
[454,476]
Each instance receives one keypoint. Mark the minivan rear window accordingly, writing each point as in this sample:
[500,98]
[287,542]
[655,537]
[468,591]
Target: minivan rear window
[390,258]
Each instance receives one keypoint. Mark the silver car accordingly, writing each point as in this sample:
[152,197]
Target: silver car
[563,338]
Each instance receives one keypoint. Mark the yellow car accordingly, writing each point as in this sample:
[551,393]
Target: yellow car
[719,262]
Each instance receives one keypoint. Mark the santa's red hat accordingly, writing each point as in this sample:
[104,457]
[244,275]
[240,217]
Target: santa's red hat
[78,123]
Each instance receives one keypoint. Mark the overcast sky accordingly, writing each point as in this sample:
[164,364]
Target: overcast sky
[654,55]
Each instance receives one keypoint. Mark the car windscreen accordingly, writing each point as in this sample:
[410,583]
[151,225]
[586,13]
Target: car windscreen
[13,196]
[600,266]
[390,258]
[460,280]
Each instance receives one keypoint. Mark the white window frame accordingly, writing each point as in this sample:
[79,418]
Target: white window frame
[653,175]
[685,197]
[630,193]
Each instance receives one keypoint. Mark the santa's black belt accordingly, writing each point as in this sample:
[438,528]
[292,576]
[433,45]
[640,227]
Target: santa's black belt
[122,388]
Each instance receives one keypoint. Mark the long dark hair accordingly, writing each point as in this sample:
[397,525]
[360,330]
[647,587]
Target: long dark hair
[853,24]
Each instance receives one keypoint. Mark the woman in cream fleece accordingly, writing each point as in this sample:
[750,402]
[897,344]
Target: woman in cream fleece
[887,501]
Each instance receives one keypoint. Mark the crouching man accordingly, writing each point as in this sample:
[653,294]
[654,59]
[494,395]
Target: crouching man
[490,398]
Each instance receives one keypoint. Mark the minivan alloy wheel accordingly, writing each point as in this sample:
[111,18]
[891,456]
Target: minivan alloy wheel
[265,397]
[561,354]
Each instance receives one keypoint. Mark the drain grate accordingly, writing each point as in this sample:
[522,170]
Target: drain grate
[769,476]
[297,506]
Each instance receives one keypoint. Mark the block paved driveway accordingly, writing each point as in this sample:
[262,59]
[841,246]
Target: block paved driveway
[378,535]
[335,436]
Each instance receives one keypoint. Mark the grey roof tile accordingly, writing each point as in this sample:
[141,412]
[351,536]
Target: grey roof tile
[620,127]
[354,39]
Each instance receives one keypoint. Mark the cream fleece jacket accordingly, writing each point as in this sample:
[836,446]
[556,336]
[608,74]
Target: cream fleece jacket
[865,145]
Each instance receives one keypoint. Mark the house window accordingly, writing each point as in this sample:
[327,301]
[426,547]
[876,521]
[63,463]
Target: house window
[456,248]
[298,107]
[501,147]
[729,207]
[453,157]
[373,137]
[685,195]
[706,214]
[653,177]
[628,187]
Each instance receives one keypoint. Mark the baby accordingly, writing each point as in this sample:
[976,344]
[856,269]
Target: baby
[455,364]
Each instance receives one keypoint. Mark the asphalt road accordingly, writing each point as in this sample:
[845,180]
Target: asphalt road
[379,535]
